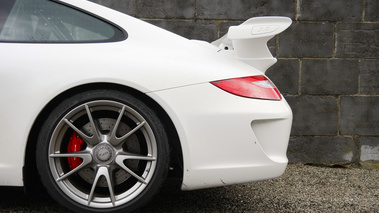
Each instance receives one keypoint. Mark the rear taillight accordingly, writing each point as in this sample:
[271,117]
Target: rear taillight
[250,87]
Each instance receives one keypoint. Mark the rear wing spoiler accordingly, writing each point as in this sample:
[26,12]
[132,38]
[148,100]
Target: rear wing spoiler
[248,41]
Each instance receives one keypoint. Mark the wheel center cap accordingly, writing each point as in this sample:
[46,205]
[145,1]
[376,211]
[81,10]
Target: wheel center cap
[103,153]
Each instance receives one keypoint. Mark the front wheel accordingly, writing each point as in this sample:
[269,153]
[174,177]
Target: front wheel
[102,151]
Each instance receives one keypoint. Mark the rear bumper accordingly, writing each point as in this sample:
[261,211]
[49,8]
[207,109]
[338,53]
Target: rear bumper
[227,139]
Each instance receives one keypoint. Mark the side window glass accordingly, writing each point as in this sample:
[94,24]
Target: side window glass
[47,21]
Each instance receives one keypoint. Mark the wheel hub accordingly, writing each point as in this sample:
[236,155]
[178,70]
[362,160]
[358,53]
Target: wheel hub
[103,153]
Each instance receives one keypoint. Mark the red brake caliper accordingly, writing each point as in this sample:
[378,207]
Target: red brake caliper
[74,145]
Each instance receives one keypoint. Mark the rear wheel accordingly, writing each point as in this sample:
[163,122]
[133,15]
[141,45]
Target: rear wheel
[103,151]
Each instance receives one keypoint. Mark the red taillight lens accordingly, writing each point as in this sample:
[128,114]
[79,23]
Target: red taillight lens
[251,87]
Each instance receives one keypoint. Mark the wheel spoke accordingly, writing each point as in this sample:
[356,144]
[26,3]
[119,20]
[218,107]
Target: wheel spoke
[94,126]
[103,171]
[120,161]
[117,141]
[131,156]
[86,157]
[115,127]
[91,140]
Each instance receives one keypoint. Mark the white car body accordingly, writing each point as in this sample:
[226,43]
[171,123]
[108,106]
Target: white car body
[225,139]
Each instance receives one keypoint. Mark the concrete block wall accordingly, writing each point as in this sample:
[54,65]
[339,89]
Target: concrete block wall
[328,67]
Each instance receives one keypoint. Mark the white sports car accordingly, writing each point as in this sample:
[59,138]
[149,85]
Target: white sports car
[100,106]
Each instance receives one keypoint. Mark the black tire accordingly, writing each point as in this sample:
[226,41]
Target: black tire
[115,167]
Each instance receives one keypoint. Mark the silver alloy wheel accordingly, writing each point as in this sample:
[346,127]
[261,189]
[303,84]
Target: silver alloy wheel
[118,157]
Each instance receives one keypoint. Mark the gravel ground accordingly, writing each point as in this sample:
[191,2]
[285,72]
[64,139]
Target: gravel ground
[301,189]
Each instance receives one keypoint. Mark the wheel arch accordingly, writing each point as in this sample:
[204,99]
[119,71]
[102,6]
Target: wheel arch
[31,179]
